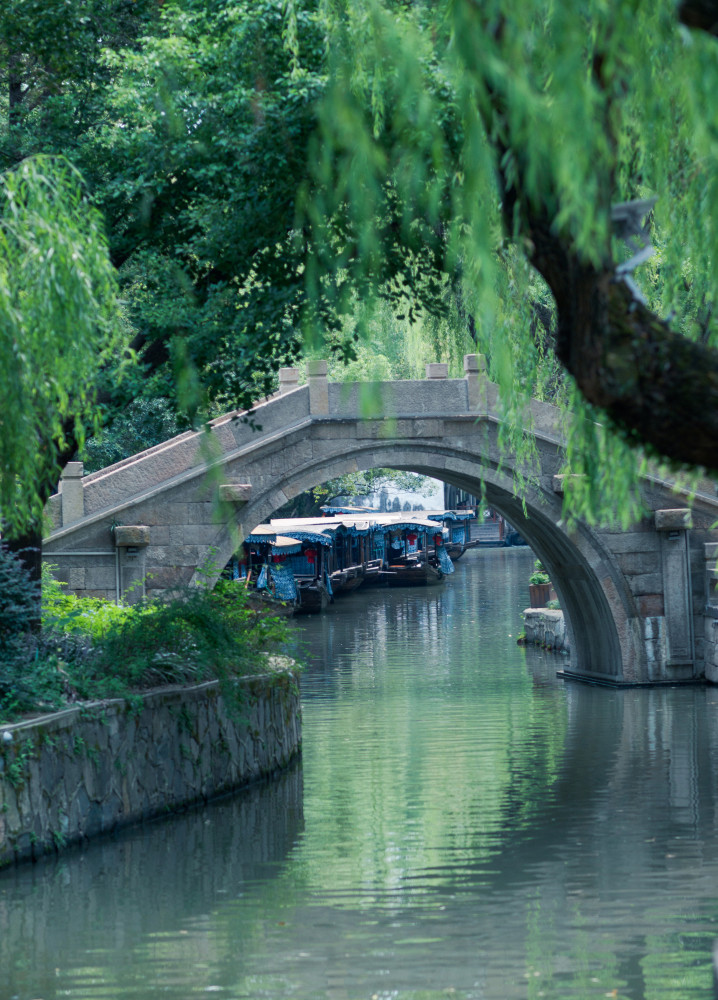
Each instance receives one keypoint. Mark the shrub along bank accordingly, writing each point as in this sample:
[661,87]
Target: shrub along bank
[88,649]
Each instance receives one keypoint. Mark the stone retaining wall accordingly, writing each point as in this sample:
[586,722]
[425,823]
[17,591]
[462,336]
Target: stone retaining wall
[89,770]
[547,628]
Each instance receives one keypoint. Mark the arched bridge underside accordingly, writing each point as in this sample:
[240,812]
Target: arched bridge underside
[638,603]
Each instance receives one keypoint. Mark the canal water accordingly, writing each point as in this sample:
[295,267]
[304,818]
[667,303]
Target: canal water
[463,825]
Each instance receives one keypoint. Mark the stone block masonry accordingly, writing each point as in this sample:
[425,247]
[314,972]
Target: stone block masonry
[634,600]
[544,627]
[92,769]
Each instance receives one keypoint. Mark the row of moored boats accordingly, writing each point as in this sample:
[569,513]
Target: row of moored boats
[305,563]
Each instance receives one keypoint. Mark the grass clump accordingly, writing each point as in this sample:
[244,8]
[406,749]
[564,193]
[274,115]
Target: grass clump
[89,649]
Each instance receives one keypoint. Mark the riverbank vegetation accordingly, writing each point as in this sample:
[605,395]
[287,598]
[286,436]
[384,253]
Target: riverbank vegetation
[89,649]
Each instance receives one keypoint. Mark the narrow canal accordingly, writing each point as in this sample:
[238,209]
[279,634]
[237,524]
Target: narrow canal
[463,825]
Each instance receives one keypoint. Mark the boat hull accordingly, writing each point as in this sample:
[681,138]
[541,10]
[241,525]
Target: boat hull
[312,600]
[414,575]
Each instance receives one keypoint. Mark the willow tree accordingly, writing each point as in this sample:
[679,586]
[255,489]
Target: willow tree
[570,146]
[59,326]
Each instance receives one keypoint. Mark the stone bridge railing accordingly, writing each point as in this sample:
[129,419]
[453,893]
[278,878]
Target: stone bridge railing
[637,602]
[188,456]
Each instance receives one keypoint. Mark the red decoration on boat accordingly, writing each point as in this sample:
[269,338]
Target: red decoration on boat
[438,539]
[411,539]
[311,555]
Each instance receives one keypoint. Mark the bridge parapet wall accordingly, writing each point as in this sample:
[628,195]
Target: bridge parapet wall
[188,453]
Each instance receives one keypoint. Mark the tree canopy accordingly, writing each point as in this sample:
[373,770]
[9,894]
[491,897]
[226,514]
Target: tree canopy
[266,170]
[59,324]
[498,144]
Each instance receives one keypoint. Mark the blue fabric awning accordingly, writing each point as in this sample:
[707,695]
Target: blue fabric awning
[451,515]
[281,543]
[403,526]
[307,536]
[330,510]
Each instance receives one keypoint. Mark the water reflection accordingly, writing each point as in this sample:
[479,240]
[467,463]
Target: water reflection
[131,915]
[468,826]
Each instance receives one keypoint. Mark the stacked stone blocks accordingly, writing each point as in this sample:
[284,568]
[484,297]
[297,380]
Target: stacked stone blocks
[90,770]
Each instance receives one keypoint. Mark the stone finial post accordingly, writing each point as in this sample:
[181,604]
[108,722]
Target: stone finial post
[437,370]
[475,372]
[318,388]
[673,526]
[710,631]
[132,541]
[288,379]
[711,558]
[73,502]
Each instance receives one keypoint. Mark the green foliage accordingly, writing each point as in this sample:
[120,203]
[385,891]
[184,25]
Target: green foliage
[91,649]
[81,616]
[142,424]
[364,484]
[539,574]
[268,171]
[198,635]
[19,598]
[204,121]
[58,326]
[437,116]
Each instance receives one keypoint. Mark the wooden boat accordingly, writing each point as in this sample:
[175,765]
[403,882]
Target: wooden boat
[313,597]
[309,566]
[414,572]
[346,559]
[456,524]
[411,544]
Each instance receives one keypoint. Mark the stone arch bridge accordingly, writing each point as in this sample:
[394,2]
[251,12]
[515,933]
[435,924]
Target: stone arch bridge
[641,605]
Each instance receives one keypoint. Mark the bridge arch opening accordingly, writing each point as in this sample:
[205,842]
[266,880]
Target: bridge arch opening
[586,581]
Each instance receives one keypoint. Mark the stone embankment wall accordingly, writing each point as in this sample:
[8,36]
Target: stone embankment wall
[89,770]
[547,628]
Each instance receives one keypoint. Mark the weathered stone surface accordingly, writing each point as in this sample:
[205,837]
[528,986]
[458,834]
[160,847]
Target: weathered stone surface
[82,772]
[288,379]
[73,504]
[610,581]
[545,627]
[636,563]
[235,492]
[676,519]
[651,605]
[132,535]
[635,540]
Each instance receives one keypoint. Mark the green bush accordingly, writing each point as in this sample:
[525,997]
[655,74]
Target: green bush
[539,574]
[200,635]
[92,649]
[31,663]
[63,612]
[19,597]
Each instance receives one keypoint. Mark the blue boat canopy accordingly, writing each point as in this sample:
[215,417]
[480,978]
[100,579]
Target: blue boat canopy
[265,535]
[331,511]
[325,526]
[307,536]
[417,526]
[450,515]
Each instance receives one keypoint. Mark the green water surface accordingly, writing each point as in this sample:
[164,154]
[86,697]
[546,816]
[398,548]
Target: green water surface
[462,825]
